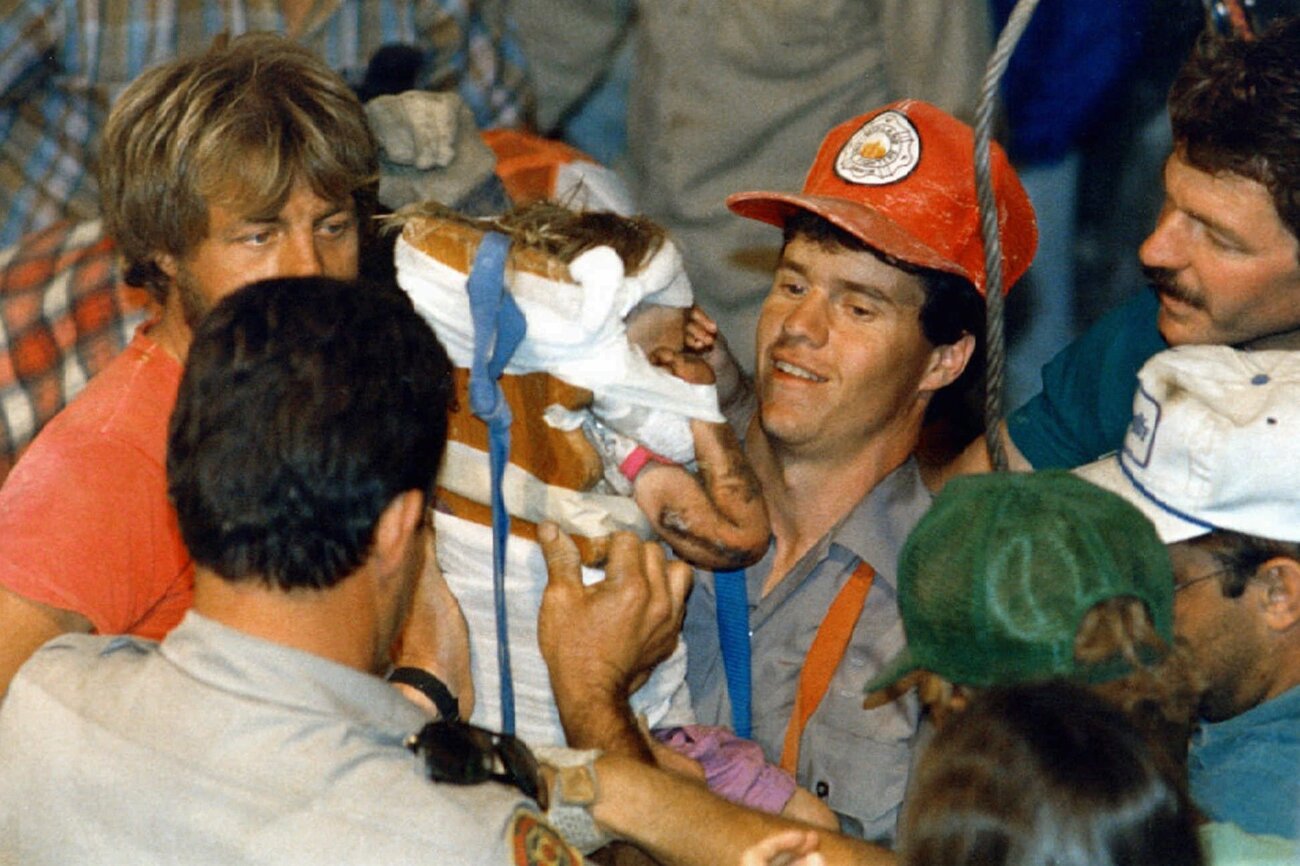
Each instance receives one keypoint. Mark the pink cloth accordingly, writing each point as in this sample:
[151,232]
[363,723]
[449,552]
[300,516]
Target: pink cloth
[734,768]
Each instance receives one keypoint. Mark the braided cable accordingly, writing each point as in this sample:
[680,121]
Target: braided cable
[995,340]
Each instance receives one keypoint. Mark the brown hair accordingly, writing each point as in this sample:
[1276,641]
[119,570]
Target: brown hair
[1161,693]
[1033,775]
[243,122]
[561,233]
[1235,107]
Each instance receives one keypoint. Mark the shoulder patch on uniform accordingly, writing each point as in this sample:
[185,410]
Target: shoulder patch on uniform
[884,150]
[534,843]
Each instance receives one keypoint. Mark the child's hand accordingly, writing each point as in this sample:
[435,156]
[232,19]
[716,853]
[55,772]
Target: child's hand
[701,332]
[691,368]
[704,340]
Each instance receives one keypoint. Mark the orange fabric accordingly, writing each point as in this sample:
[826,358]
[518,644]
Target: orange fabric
[84,516]
[824,656]
[527,164]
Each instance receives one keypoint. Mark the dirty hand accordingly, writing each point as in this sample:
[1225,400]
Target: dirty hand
[599,640]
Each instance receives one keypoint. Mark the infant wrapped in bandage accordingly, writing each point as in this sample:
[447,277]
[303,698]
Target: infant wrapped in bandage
[613,426]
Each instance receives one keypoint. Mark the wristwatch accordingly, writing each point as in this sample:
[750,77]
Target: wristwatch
[574,791]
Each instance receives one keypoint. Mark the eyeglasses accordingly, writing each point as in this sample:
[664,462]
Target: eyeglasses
[462,754]
[1179,587]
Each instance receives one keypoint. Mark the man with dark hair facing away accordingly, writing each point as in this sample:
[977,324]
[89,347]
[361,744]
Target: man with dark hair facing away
[299,469]
[308,430]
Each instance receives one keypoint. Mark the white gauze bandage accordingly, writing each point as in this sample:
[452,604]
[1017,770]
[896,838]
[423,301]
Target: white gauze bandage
[576,333]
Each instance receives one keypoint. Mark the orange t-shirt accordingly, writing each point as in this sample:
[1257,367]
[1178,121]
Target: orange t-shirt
[85,522]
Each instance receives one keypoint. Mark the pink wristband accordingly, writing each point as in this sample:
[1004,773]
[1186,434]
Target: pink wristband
[636,461]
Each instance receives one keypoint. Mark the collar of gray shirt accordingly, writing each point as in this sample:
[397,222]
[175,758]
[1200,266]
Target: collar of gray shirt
[872,531]
[227,659]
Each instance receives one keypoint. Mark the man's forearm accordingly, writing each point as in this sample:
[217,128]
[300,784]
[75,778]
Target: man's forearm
[663,814]
[606,724]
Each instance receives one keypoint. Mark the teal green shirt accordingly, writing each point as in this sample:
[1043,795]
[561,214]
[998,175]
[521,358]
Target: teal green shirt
[1086,401]
[1246,769]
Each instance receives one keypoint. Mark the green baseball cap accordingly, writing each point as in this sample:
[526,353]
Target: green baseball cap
[995,579]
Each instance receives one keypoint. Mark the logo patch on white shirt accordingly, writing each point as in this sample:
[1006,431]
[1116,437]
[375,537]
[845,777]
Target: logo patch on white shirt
[885,150]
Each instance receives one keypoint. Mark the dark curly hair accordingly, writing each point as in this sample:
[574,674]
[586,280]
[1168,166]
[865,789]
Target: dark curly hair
[1235,107]
[307,405]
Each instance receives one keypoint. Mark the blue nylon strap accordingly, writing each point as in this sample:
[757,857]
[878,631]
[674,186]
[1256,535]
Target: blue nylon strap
[499,327]
[733,636]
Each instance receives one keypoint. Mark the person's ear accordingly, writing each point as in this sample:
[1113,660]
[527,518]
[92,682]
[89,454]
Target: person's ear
[398,522]
[947,363]
[1280,577]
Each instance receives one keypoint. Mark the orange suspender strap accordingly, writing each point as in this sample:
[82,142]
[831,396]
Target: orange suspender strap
[824,656]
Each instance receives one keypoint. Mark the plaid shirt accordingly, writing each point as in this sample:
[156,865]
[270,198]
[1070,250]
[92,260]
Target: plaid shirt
[63,62]
[63,316]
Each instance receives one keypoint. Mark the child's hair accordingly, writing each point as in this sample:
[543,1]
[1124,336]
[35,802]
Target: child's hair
[564,234]
[1042,774]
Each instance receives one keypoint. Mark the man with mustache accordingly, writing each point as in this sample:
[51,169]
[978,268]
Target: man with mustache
[1223,258]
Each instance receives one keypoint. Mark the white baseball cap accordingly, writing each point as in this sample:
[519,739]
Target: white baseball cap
[1214,444]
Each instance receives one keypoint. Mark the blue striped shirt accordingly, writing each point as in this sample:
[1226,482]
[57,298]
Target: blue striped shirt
[63,62]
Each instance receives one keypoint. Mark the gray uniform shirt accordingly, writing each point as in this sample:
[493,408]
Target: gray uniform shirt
[215,747]
[857,760]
